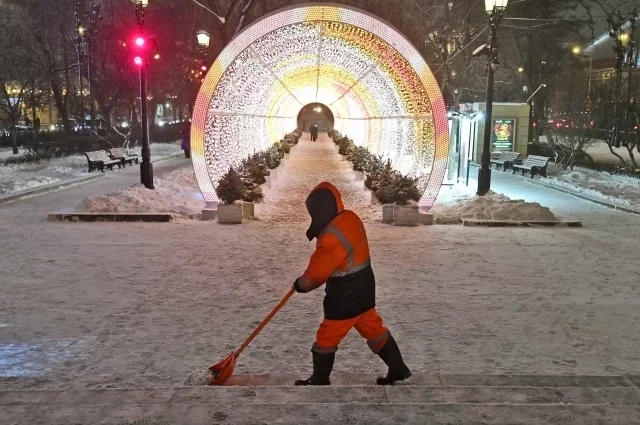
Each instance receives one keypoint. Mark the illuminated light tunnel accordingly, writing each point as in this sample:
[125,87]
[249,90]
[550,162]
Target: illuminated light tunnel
[378,87]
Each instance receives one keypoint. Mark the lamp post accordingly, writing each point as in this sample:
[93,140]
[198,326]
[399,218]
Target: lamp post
[80,32]
[203,39]
[495,9]
[146,168]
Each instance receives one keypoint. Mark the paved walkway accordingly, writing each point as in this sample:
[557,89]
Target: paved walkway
[95,317]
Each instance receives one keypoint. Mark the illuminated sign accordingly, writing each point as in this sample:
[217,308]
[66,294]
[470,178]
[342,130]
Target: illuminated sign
[381,93]
[503,135]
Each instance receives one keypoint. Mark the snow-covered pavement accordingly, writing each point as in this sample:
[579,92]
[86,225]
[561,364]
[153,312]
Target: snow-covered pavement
[620,190]
[16,178]
[144,304]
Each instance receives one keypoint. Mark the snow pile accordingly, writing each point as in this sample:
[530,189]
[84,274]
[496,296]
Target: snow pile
[198,378]
[462,203]
[616,189]
[16,178]
[176,192]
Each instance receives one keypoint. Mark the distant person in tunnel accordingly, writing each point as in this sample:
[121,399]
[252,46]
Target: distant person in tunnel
[314,132]
[342,260]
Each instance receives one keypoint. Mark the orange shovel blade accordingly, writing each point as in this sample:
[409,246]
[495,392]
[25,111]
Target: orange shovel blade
[222,371]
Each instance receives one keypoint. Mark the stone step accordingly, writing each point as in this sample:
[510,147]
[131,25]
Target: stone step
[433,399]
[316,414]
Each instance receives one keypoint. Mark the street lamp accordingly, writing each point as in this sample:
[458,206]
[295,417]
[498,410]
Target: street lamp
[495,9]
[146,168]
[203,39]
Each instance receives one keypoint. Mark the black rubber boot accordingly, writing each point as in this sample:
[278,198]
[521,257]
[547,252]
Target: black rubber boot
[398,371]
[322,366]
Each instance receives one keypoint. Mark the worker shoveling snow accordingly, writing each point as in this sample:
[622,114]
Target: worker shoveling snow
[342,263]
[492,206]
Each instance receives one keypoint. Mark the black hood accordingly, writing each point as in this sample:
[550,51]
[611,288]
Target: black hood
[323,208]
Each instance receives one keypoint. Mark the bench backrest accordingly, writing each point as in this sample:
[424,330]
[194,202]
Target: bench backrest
[536,161]
[508,156]
[118,152]
[98,156]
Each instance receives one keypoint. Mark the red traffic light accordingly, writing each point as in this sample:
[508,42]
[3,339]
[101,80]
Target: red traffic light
[137,60]
[139,41]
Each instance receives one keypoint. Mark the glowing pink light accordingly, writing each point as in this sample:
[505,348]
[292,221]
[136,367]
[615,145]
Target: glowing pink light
[139,41]
[137,60]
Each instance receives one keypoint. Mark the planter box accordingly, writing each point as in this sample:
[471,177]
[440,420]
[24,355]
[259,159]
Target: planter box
[387,213]
[359,176]
[426,218]
[230,214]
[247,210]
[273,174]
[406,215]
[209,214]
[268,181]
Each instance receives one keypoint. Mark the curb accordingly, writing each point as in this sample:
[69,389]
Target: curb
[119,217]
[518,223]
[616,207]
[48,188]
[41,190]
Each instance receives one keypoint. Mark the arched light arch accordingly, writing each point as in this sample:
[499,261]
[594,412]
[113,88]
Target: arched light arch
[378,87]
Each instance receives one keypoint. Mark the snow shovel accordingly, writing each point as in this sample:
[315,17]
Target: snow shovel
[222,371]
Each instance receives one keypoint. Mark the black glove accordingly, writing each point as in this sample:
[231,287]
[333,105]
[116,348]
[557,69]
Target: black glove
[296,286]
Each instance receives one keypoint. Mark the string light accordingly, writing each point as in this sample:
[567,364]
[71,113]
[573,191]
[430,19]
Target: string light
[378,87]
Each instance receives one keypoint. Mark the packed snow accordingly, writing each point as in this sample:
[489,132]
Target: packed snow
[460,201]
[149,303]
[16,178]
[309,164]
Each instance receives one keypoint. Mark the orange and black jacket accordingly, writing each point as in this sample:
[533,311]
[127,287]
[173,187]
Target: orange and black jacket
[341,258]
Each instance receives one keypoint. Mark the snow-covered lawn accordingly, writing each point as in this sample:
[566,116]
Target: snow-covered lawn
[613,188]
[16,178]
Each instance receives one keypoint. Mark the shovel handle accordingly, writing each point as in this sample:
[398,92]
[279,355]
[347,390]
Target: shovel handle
[265,321]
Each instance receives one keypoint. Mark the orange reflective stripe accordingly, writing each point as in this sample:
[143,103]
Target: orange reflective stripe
[345,243]
[351,269]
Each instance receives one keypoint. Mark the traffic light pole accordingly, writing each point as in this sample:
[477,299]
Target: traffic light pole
[146,167]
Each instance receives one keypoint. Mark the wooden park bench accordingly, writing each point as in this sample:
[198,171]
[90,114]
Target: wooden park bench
[534,165]
[98,160]
[505,160]
[121,155]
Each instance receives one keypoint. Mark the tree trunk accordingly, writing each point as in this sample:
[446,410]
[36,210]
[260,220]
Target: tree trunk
[615,154]
[14,139]
[33,111]
[630,147]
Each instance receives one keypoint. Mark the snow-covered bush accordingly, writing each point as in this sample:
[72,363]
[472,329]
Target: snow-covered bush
[230,187]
